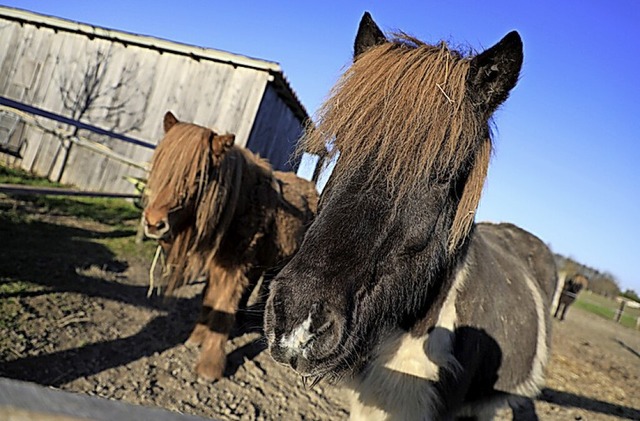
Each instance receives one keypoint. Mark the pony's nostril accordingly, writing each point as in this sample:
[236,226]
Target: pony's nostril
[321,318]
[155,229]
[293,361]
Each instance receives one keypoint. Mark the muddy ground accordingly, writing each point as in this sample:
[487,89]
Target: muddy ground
[76,317]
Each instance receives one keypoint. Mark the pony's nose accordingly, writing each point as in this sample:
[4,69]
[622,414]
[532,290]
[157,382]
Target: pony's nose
[156,228]
[320,327]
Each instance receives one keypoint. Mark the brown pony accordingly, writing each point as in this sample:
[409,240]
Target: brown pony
[221,212]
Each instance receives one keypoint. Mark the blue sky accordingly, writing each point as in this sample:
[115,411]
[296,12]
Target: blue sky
[567,141]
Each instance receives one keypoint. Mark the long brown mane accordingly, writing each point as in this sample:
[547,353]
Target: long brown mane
[402,107]
[180,169]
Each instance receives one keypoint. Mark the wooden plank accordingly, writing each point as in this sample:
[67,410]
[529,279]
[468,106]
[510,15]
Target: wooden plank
[214,80]
[30,402]
[276,131]
[43,90]
[49,154]
[238,107]
[21,189]
[9,38]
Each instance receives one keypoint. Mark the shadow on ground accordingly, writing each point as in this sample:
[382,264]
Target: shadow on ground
[42,262]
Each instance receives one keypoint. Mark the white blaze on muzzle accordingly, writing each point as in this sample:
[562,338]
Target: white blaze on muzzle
[298,337]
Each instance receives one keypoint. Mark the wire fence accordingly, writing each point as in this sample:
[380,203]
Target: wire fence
[34,117]
[625,312]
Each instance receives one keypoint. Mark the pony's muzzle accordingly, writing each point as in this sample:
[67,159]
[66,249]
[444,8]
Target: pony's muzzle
[156,228]
[313,339]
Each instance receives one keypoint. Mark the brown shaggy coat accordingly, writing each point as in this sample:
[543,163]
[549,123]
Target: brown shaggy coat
[221,212]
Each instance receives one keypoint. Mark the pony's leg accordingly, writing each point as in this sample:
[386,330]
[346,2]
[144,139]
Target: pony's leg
[253,276]
[485,414]
[223,297]
[524,410]
[244,316]
[200,330]
[564,311]
[557,310]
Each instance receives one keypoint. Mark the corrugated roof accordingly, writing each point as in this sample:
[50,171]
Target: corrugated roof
[281,84]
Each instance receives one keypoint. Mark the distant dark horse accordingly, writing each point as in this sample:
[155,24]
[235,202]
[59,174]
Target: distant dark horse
[572,287]
[222,212]
[425,314]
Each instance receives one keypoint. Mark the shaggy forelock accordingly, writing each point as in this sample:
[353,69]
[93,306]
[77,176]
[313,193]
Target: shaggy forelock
[180,169]
[402,108]
[179,164]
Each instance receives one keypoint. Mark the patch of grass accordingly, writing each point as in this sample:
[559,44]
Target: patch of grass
[605,308]
[106,210]
[9,305]
[31,243]
[605,312]
[123,245]
[13,287]
[18,176]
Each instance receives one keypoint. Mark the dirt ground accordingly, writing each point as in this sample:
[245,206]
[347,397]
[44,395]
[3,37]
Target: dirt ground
[81,322]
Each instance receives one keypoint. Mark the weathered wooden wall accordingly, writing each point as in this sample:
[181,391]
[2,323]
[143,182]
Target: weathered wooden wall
[39,65]
[276,131]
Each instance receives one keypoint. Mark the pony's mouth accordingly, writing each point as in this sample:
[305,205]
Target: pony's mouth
[311,361]
[155,235]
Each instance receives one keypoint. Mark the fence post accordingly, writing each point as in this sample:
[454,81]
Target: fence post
[620,310]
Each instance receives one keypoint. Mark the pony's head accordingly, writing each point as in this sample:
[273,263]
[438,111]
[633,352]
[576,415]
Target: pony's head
[411,123]
[185,165]
[577,283]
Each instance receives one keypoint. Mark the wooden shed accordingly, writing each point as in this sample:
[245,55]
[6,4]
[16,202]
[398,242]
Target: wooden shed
[124,83]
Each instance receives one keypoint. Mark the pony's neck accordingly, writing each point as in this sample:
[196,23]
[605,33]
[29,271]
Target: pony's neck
[258,167]
[438,287]
[439,263]
[250,197]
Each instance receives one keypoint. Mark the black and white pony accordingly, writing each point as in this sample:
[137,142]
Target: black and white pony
[395,289]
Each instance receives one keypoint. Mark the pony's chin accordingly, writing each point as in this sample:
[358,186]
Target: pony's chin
[328,369]
[316,374]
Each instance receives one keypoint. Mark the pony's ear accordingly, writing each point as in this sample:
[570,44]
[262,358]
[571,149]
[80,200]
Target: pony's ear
[169,121]
[495,72]
[369,35]
[221,142]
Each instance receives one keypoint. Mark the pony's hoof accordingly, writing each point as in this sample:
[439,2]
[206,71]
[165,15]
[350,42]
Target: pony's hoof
[197,336]
[209,370]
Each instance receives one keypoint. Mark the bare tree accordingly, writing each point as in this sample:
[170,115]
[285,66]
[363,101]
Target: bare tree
[604,284]
[87,97]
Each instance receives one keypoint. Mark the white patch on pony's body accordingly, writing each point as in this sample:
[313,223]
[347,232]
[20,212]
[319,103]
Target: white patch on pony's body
[298,337]
[535,382]
[406,355]
[399,383]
